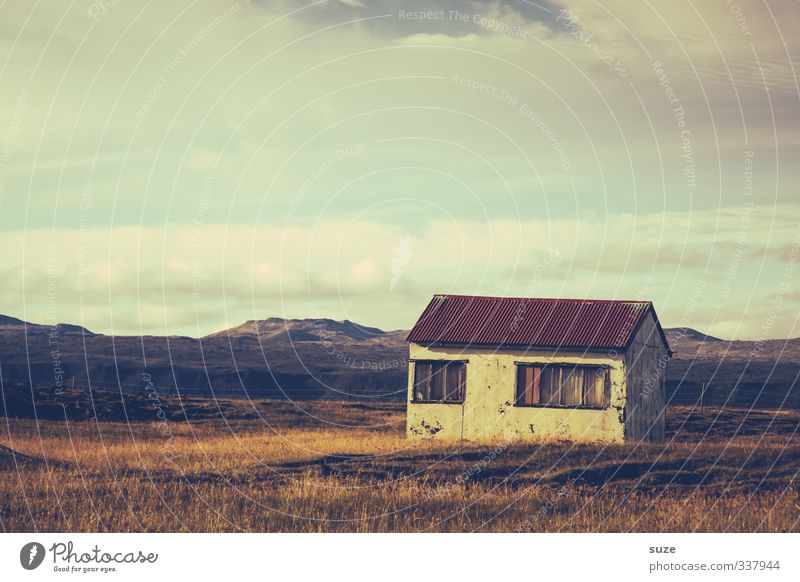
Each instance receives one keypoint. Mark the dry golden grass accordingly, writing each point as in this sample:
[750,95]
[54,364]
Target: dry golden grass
[292,472]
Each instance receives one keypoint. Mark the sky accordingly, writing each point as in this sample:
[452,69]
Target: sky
[182,167]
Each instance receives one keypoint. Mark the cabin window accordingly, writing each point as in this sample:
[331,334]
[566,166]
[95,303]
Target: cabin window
[562,386]
[439,381]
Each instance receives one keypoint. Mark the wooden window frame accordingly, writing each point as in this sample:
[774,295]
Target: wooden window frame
[444,400]
[606,389]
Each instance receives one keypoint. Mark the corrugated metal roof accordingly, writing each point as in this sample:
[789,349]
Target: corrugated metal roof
[530,322]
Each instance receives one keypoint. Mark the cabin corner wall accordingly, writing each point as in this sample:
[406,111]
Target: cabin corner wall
[425,420]
[645,371]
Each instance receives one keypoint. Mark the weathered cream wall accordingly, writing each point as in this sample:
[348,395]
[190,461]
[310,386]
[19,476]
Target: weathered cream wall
[488,411]
[646,365]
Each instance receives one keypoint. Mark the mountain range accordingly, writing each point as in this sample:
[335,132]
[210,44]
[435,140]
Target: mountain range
[324,358]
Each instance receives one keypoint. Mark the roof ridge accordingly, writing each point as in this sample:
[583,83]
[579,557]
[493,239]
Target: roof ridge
[573,299]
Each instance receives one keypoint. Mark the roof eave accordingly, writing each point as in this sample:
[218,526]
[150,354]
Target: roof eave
[650,309]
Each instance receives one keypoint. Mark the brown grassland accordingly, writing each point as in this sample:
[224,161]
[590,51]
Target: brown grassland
[339,467]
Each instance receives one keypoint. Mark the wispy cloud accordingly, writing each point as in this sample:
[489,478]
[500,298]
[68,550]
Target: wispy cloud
[223,273]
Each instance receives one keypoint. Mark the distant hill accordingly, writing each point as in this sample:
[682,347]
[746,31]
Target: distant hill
[735,372]
[298,358]
[678,334]
[18,325]
[277,328]
[324,358]
[10,321]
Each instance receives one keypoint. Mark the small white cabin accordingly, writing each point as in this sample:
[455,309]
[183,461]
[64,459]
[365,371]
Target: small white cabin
[541,369]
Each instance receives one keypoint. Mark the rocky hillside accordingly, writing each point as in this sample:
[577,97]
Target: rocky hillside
[735,373]
[323,358]
[318,358]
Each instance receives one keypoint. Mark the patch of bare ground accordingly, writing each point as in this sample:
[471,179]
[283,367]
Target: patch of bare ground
[333,466]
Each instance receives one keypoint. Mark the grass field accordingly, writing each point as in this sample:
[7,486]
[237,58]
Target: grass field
[267,466]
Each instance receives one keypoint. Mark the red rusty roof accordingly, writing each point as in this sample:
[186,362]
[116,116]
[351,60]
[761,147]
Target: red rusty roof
[530,322]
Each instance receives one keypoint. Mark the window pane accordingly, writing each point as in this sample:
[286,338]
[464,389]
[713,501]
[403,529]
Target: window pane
[521,384]
[437,381]
[455,382]
[550,385]
[533,379]
[528,384]
[422,381]
[571,386]
[595,386]
[534,383]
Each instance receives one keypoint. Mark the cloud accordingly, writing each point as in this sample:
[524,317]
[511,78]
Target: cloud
[451,19]
[195,277]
